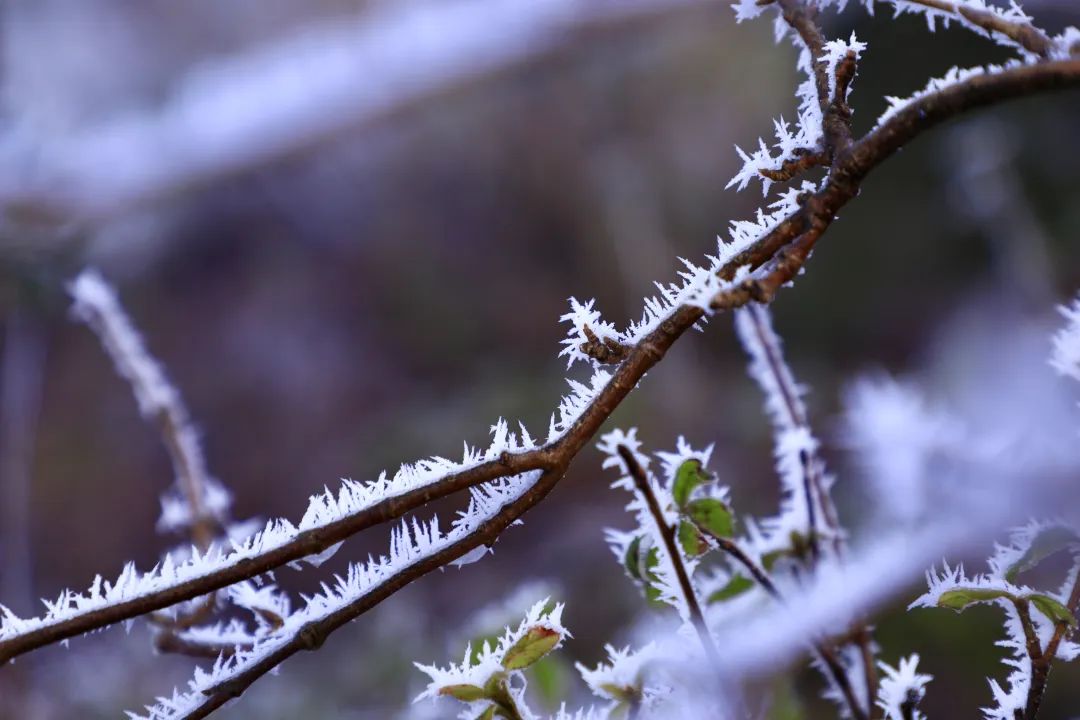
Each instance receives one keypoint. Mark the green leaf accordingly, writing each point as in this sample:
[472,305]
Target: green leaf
[960,598]
[533,645]
[688,477]
[692,541]
[1053,609]
[713,516]
[632,561]
[464,692]
[1049,542]
[488,714]
[737,585]
[768,560]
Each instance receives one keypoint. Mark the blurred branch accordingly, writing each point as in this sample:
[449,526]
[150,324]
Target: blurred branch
[241,114]
[815,214]
[159,401]
[769,262]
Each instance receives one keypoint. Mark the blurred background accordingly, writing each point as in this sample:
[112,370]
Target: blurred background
[348,229]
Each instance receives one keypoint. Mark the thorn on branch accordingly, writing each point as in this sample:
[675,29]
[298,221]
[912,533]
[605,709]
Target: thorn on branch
[845,73]
[608,351]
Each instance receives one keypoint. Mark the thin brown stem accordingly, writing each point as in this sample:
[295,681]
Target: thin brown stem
[1041,664]
[667,533]
[804,227]
[1027,35]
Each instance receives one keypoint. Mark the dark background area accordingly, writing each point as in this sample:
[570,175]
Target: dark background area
[391,294]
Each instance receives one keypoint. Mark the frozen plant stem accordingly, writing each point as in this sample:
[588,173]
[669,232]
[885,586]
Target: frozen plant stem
[96,305]
[776,379]
[667,532]
[1041,659]
[754,268]
[827,654]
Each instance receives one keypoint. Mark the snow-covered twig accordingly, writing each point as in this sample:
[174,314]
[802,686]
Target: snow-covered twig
[200,504]
[514,473]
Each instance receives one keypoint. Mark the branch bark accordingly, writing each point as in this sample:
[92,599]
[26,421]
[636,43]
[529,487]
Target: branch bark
[804,226]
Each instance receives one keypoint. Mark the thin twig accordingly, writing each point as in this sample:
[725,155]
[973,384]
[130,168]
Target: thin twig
[817,211]
[1041,664]
[667,533]
[827,654]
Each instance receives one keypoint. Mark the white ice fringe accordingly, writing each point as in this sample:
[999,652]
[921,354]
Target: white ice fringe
[323,509]
[410,543]
[1065,355]
[954,76]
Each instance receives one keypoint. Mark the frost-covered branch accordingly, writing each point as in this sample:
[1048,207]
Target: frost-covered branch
[200,503]
[515,472]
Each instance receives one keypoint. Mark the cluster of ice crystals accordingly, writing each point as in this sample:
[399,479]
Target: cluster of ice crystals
[902,687]
[410,543]
[1065,355]
[580,317]
[835,52]
[795,444]
[323,509]
[806,137]
[954,76]
[953,12]
[624,669]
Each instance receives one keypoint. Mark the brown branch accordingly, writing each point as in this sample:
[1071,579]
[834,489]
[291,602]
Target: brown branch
[1040,664]
[1031,38]
[813,488]
[312,636]
[836,115]
[806,225]
[558,454]
[667,533]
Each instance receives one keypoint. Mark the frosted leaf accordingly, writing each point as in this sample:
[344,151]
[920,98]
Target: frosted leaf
[493,658]
[623,673]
